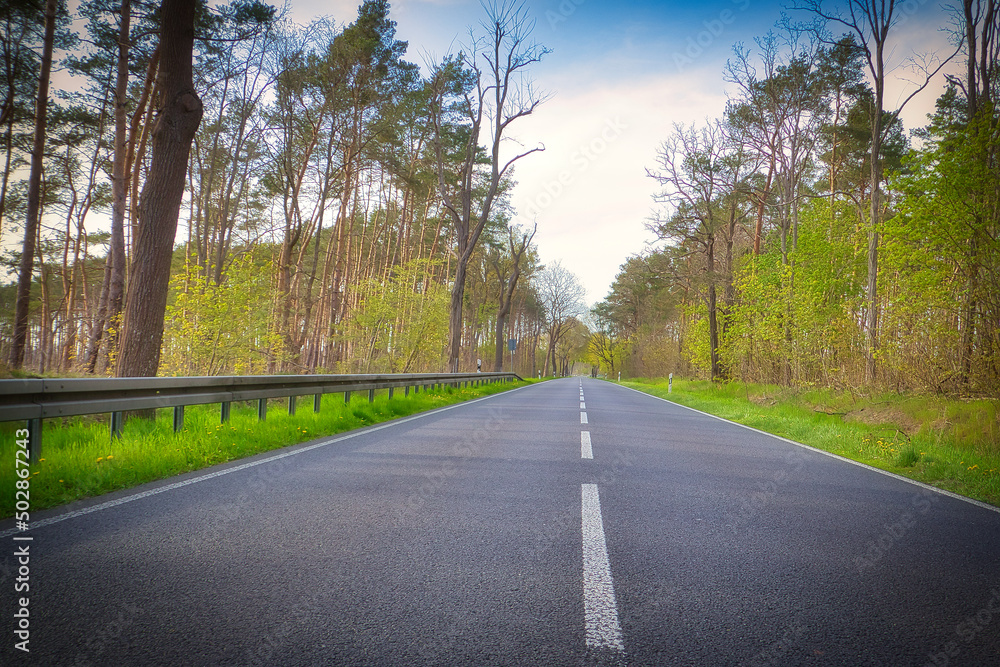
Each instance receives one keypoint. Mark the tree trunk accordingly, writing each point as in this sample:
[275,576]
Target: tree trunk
[119,188]
[713,320]
[871,366]
[455,316]
[26,269]
[871,292]
[159,206]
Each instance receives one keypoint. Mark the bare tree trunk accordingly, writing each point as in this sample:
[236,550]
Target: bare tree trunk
[119,187]
[159,206]
[455,317]
[507,292]
[26,269]
[871,292]
[713,320]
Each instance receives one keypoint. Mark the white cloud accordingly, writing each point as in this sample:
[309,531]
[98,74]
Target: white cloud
[589,190]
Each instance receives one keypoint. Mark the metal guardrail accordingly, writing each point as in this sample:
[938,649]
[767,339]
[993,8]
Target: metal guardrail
[33,400]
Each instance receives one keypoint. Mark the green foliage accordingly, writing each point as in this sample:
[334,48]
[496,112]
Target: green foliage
[801,316]
[401,322]
[942,256]
[220,329]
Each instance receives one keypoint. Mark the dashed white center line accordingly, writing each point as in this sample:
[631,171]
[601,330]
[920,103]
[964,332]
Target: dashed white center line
[600,608]
[586,451]
[583,417]
[583,406]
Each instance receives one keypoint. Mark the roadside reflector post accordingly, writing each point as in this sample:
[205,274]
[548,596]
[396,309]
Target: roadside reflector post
[116,425]
[34,440]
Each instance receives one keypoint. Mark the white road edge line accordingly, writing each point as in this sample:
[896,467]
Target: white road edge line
[901,478]
[583,418]
[600,609]
[586,451]
[201,478]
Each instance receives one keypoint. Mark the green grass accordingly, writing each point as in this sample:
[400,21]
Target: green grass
[80,460]
[952,444]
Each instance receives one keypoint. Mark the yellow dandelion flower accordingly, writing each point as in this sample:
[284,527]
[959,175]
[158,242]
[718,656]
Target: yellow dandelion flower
[110,456]
[60,481]
[41,459]
[100,458]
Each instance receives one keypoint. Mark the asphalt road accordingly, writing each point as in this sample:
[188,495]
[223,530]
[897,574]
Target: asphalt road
[573,522]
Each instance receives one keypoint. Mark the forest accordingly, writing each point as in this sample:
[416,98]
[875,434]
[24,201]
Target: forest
[807,240]
[336,209]
[337,204]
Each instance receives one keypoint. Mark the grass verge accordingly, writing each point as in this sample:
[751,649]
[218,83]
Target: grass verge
[79,459]
[952,444]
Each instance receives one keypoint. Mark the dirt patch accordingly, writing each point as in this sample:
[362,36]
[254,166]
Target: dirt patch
[877,415]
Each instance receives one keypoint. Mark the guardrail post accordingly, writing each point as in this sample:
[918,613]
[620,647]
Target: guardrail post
[116,425]
[406,390]
[390,392]
[347,397]
[371,395]
[225,411]
[34,440]
[317,402]
[261,409]
[178,418]
[291,405]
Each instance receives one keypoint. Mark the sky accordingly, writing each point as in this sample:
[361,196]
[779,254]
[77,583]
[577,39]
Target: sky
[619,76]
